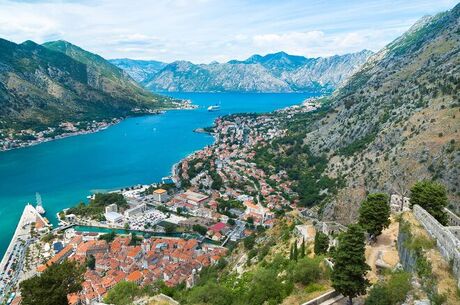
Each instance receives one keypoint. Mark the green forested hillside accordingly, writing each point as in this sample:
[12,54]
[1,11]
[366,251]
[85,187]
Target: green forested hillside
[45,85]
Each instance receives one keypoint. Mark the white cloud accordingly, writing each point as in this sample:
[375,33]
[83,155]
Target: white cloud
[206,30]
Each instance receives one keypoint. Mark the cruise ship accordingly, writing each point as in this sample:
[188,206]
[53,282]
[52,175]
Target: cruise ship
[214,108]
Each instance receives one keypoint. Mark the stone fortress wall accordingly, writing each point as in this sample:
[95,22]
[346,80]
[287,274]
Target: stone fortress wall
[447,243]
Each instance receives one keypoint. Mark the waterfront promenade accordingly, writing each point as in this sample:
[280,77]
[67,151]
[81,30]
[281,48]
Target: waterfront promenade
[12,261]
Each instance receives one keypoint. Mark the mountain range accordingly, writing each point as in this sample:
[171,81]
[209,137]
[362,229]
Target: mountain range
[41,85]
[395,121]
[278,72]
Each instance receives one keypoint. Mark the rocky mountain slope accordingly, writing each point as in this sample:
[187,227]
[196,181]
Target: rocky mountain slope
[395,121]
[41,85]
[138,69]
[279,72]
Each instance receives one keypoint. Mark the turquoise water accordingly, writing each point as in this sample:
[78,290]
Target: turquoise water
[138,150]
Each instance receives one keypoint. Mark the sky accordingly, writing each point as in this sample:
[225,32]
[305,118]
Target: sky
[202,31]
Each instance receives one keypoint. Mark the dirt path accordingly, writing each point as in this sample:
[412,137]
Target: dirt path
[383,251]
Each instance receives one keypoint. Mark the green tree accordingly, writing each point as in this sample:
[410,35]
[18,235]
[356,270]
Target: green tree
[321,243]
[295,251]
[306,271]
[350,268]
[200,229]
[122,293]
[374,214]
[302,249]
[91,262]
[108,237]
[134,241]
[265,288]
[390,292]
[249,242]
[211,293]
[432,197]
[169,228]
[53,285]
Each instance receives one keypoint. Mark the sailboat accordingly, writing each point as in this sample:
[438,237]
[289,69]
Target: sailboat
[39,206]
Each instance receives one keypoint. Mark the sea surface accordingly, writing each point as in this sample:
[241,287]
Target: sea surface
[138,150]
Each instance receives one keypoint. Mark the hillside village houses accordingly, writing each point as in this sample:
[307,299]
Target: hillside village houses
[170,260]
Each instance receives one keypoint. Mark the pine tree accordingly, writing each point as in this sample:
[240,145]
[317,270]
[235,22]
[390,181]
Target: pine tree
[291,252]
[374,214]
[350,268]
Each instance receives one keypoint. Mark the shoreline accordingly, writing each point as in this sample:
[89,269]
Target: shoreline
[174,167]
[62,136]
[114,121]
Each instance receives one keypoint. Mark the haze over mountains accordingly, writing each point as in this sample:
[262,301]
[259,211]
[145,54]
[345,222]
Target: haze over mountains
[41,85]
[278,72]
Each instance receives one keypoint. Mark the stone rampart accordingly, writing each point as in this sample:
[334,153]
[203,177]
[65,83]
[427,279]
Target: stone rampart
[447,243]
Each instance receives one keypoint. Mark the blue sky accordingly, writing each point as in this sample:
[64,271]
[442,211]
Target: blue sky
[208,30]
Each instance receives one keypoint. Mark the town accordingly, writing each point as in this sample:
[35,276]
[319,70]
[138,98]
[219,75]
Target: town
[181,226]
[169,232]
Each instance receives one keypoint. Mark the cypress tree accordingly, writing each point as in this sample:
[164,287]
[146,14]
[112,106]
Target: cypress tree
[302,248]
[295,252]
[321,243]
[350,268]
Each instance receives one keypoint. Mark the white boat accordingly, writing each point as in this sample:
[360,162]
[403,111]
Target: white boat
[214,108]
[39,206]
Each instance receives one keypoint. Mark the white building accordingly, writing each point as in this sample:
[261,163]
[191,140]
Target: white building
[139,209]
[160,195]
[113,217]
[111,208]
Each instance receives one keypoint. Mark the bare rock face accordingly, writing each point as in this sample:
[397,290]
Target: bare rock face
[279,72]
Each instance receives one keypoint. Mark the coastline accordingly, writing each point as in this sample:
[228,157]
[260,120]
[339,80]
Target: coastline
[113,122]
[63,136]
[174,167]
